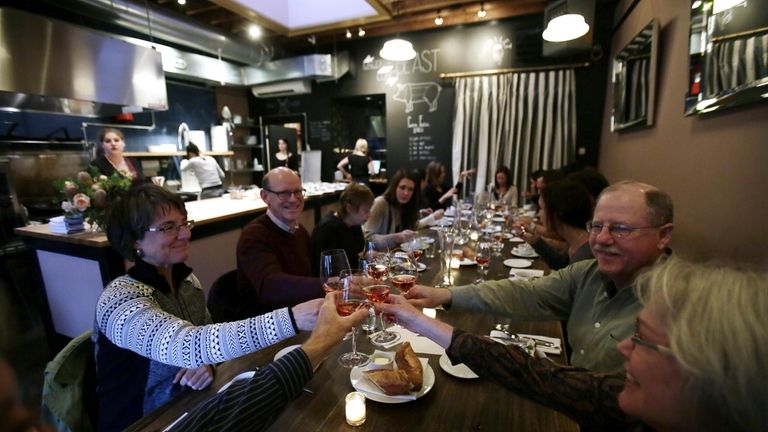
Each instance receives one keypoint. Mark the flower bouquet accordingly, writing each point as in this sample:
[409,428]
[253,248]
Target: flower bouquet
[87,197]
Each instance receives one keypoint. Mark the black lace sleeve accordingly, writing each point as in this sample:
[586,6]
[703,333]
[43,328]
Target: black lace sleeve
[589,398]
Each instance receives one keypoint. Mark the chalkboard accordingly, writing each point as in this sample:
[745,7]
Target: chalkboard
[320,132]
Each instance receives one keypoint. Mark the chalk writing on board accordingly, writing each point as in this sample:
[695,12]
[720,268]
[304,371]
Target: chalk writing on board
[416,93]
[496,46]
[320,130]
[420,148]
[417,126]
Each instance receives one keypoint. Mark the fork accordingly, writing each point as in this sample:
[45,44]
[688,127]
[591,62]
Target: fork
[504,328]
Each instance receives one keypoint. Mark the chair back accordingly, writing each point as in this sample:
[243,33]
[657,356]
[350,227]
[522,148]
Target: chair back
[69,387]
[223,298]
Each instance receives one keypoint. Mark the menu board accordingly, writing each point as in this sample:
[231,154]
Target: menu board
[320,132]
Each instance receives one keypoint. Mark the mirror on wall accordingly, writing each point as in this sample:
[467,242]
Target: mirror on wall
[634,80]
[728,55]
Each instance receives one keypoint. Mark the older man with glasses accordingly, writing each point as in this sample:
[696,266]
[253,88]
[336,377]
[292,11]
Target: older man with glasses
[274,250]
[630,230]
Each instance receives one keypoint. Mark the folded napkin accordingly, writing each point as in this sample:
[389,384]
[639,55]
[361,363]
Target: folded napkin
[518,273]
[557,348]
[365,385]
[420,344]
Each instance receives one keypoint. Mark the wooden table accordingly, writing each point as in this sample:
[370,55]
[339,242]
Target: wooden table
[453,404]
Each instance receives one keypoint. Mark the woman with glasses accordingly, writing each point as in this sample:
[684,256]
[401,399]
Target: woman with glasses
[153,334]
[395,214]
[696,361]
[564,208]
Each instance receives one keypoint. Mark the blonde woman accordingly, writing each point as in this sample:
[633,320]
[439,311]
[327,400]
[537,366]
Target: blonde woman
[696,361]
[359,163]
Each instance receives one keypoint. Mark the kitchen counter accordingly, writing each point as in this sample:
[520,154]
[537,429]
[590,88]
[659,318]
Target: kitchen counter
[74,268]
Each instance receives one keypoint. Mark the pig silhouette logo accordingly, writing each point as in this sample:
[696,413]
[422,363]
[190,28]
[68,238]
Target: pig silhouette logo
[413,93]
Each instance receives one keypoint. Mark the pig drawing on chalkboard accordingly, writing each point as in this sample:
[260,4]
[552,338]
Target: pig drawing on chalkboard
[413,93]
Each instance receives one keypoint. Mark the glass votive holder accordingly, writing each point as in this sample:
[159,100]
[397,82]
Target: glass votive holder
[355,408]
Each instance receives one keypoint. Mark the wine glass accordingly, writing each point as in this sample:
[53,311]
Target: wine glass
[379,293]
[332,263]
[415,249]
[357,279]
[403,271]
[376,259]
[350,299]
[482,258]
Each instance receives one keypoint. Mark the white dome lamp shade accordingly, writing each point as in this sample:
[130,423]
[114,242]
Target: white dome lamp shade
[397,50]
[565,27]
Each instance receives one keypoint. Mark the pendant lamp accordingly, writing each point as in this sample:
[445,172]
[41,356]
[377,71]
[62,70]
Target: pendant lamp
[397,50]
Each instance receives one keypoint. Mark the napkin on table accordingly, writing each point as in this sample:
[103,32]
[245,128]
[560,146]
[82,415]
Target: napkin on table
[420,344]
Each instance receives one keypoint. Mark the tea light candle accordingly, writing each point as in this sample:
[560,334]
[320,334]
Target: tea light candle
[355,408]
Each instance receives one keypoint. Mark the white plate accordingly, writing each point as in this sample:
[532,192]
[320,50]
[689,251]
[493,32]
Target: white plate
[459,371]
[364,385]
[515,239]
[498,219]
[518,263]
[467,262]
[427,240]
[527,254]
[285,351]
[421,267]
[242,376]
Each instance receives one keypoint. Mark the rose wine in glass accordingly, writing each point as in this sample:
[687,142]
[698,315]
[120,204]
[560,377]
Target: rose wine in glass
[377,293]
[482,258]
[404,282]
[377,270]
[380,294]
[347,302]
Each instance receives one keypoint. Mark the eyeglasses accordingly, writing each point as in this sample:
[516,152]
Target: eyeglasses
[616,230]
[171,229]
[637,340]
[286,195]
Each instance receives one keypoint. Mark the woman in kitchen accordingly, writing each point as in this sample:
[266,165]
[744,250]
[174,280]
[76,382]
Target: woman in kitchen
[284,157]
[357,167]
[110,159]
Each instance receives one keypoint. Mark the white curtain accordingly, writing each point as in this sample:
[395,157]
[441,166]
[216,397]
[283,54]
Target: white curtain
[525,121]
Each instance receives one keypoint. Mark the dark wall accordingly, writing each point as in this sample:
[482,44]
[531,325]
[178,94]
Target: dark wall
[419,105]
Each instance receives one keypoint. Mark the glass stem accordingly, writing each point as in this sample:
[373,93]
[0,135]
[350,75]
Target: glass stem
[381,322]
[354,343]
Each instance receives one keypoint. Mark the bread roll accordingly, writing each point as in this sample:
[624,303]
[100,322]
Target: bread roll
[407,361]
[390,381]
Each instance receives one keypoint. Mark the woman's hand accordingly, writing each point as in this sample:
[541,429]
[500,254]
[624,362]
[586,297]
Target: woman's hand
[305,314]
[438,214]
[196,379]
[404,236]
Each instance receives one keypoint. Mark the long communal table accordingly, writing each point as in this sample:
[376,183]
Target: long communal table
[453,404]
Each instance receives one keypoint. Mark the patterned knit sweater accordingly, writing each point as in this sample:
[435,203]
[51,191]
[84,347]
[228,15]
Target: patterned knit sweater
[145,335]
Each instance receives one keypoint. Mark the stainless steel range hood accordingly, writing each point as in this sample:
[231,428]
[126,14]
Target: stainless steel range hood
[52,66]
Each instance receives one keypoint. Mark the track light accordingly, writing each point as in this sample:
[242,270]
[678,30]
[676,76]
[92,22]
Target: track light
[481,13]
[349,34]
[360,32]
[438,19]
[254,31]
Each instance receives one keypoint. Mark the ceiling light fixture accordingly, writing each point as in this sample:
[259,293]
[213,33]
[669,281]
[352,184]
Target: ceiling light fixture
[254,31]
[312,40]
[360,32]
[438,19]
[482,13]
[565,27]
[349,34]
[397,50]
[182,2]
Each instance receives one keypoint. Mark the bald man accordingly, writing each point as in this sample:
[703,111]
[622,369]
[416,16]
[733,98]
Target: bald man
[274,250]
[630,230]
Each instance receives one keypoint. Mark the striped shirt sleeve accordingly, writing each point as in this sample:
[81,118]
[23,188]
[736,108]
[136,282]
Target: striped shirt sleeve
[251,405]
